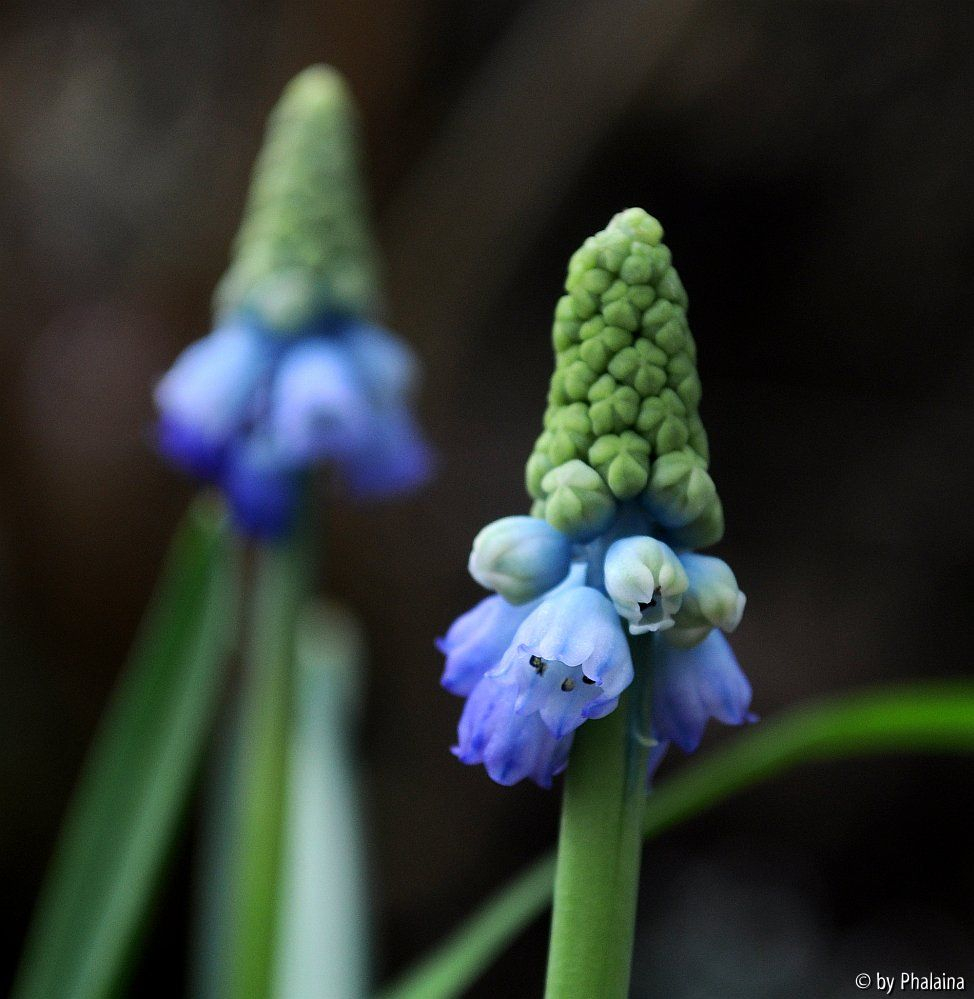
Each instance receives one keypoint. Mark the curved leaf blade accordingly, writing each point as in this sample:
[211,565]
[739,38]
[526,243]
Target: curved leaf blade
[137,777]
[919,718]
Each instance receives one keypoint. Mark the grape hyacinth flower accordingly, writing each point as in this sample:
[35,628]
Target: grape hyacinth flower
[295,372]
[602,580]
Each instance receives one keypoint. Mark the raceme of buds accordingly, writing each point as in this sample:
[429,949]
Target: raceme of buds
[622,495]
[296,372]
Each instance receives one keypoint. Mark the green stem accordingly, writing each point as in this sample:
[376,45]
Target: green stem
[599,848]
[924,717]
[281,586]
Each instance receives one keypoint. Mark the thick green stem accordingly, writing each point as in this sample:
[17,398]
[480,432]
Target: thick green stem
[599,848]
[281,585]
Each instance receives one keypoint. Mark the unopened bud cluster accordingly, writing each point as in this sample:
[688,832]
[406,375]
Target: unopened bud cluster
[622,422]
[304,249]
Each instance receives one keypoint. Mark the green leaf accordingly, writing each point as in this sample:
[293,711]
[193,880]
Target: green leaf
[259,794]
[919,718]
[253,884]
[457,962]
[322,949]
[280,868]
[139,772]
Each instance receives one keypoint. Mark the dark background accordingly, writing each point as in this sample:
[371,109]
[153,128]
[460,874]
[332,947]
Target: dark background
[813,165]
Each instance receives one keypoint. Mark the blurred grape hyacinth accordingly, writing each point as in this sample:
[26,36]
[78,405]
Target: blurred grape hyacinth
[622,497]
[295,374]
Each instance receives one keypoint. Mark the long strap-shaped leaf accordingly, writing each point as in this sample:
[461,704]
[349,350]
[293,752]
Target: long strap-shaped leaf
[138,774]
[921,718]
[323,950]
[282,885]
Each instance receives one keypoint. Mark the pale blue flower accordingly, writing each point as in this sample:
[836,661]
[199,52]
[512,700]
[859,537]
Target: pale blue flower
[691,686]
[511,746]
[520,558]
[208,395]
[478,639]
[388,365]
[393,458]
[261,492]
[569,660]
[646,582]
[318,406]
[254,411]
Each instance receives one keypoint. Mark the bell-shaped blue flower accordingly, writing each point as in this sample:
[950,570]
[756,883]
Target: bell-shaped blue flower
[392,458]
[712,600]
[262,493]
[387,364]
[318,408]
[569,660]
[208,395]
[520,558]
[511,746]
[253,411]
[478,639]
[646,582]
[691,686]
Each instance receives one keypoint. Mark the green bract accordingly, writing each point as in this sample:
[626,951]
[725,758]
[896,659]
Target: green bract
[622,421]
[304,250]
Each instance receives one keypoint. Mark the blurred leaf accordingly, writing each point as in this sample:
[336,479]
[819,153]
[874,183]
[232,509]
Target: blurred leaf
[922,718]
[323,949]
[259,797]
[457,962]
[316,903]
[134,784]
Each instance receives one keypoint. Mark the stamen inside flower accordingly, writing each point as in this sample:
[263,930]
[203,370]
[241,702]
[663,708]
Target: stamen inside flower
[560,691]
[645,605]
[645,581]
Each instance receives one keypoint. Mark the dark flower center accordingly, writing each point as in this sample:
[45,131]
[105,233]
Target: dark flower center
[652,601]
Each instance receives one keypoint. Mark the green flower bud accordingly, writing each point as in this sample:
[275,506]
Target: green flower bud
[538,466]
[713,600]
[646,582]
[304,250]
[625,371]
[679,490]
[623,461]
[578,502]
[703,532]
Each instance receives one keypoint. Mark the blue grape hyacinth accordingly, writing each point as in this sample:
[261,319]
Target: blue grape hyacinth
[295,373]
[533,673]
[603,579]
[252,412]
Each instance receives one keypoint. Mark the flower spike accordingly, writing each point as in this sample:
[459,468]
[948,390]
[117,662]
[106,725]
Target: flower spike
[295,373]
[621,492]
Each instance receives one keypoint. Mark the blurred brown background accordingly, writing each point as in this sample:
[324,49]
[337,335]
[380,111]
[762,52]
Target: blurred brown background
[813,164]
